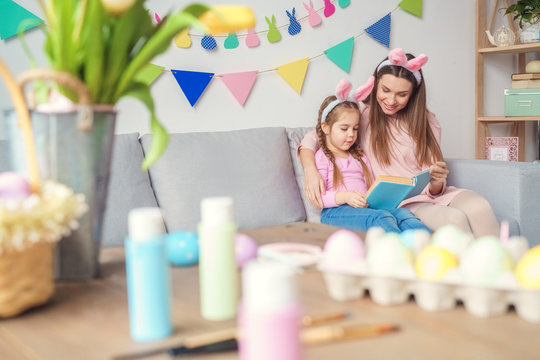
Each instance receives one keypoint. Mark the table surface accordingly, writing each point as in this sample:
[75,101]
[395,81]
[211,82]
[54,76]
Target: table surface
[89,319]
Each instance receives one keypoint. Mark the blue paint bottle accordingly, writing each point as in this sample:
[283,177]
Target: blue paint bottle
[148,277]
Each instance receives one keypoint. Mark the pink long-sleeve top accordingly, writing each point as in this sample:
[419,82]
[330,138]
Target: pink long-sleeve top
[403,162]
[351,172]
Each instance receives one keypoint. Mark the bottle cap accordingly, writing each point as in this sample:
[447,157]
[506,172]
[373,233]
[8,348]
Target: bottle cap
[217,210]
[145,223]
[268,286]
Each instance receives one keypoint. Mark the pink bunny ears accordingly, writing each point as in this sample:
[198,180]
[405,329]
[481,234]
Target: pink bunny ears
[398,57]
[343,89]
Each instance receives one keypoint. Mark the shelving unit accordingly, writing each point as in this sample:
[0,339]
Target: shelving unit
[484,48]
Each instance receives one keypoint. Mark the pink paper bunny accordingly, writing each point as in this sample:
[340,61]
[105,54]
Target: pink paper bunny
[329,8]
[314,18]
[252,39]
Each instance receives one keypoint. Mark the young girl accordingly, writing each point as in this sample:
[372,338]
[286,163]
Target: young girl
[346,171]
[401,138]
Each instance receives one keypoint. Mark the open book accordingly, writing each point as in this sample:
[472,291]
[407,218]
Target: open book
[387,192]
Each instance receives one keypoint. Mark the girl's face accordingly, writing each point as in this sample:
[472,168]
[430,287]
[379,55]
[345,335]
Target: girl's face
[343,133]
[393,93]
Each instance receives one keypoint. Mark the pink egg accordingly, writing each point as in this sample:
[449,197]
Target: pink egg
[245,249]
[342,249]
[13,186]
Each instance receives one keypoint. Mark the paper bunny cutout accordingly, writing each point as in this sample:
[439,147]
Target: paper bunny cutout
[252,39]
[208,42]
[344,3]
[231,42]
[329,8]
[313,17]
[273,33]
[294,25]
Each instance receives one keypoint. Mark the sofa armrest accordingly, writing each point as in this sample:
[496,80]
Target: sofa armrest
[512,188]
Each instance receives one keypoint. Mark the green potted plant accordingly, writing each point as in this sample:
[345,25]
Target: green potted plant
[95,50]
[528,14]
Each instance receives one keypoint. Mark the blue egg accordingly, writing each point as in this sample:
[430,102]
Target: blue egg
[183,248]
[407,238]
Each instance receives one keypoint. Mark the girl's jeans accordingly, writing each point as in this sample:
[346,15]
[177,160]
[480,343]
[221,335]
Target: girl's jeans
[395,220]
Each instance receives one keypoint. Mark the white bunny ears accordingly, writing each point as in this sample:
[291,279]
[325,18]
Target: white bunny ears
[398,57]
[343,89]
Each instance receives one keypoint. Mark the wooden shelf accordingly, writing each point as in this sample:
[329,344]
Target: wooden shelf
[513,49]
[503,119]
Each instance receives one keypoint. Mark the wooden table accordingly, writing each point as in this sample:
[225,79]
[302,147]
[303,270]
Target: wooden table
[89,320]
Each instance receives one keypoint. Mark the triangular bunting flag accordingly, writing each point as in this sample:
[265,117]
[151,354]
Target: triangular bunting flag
[412,6]
[11,15]
[192,83]
[149,73]
[240,84]
[380,30]
[341,54]
[294,73]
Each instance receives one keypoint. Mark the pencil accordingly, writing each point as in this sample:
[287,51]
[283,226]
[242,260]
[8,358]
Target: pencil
[324,334]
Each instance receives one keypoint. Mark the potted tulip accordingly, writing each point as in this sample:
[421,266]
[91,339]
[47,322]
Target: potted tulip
[95,49]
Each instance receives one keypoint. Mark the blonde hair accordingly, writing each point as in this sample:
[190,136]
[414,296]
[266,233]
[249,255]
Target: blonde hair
[413,116]
[355,150]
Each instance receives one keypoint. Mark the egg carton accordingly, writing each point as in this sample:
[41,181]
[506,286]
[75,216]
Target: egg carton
[434,296]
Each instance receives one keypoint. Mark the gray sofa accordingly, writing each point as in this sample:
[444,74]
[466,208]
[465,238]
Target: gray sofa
[259,169]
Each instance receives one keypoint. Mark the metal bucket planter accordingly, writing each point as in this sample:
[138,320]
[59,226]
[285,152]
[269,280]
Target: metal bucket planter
[73,148]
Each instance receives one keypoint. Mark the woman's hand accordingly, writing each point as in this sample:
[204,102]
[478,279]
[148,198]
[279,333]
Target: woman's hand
[355,199]
[438,172]
[314,187]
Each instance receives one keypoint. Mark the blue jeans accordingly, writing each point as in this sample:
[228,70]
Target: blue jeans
[395,220]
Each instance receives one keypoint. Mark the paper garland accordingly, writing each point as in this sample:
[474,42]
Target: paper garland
[294,73]
[341,54]
[380,30]
[11,15]
[192,83]
[240,84]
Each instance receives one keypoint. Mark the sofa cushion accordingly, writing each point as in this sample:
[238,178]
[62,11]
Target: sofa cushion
[129,188]
[251,166]
[295,136]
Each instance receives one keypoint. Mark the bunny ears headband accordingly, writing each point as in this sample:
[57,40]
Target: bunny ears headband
[398,57]
[342,93]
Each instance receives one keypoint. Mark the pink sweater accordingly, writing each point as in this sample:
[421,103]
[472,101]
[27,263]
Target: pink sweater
[404,161]
[351,171]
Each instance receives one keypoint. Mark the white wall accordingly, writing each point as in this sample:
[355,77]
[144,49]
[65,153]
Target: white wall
[445,33]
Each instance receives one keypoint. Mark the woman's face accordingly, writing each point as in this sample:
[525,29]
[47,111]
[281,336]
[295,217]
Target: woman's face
[393,93]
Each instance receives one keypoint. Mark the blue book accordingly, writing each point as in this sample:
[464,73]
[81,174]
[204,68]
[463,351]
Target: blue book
[387,192]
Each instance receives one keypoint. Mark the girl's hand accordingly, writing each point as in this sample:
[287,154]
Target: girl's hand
[314,187]
[356,199]
[438,173]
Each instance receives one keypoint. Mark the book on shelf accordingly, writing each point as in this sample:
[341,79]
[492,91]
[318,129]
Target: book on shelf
[387,192]
[526,84]
[526,76]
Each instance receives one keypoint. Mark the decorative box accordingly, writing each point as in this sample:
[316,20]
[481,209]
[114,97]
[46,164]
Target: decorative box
[522,102]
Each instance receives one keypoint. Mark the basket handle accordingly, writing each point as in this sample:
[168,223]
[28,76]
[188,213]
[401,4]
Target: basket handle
[25,125]
[85,120]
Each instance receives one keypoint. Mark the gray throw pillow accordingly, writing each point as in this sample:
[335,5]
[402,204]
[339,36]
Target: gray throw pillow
[295,136]
[251,166]
[129,188]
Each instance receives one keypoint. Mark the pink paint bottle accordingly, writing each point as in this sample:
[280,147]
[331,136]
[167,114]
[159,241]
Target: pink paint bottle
[269,320]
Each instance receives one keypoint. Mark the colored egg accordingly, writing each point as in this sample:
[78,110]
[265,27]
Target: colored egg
[528,269]
[484,262]
[433,262]
[415,240]
[245,249]
[452,239]
[13,186]
[183,248]
[388,256]
[342,249]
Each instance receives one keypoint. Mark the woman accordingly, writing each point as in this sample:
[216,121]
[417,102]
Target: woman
[401,138]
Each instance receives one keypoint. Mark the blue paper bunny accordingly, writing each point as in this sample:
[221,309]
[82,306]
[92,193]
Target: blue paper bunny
[294,26]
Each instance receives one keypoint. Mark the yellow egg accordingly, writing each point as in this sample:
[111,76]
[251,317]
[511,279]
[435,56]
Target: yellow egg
[528,269]
[433,262]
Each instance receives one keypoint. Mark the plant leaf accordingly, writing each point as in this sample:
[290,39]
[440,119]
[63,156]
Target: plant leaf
[160,136]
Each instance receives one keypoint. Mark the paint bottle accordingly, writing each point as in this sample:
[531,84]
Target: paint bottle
[218,272]
[147,275]
[269,320]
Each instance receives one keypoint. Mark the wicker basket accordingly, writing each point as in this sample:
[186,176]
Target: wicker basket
[26,278]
